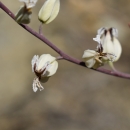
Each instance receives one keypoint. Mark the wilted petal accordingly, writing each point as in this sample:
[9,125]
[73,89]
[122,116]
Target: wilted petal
[37,85]
[35,88]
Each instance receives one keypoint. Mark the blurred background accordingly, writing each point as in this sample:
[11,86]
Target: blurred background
[75,98]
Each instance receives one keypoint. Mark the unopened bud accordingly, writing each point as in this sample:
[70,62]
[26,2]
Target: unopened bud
[49,11]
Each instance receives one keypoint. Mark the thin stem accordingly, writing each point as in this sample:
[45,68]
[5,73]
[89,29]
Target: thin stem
[60,52]
[112,66]
[59,58]
[40,29]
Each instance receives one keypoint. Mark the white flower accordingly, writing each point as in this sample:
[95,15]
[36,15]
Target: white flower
[108,49]
[49,11]
[24,14]
[97,58]
[110,42]
[29,3]
[43,66]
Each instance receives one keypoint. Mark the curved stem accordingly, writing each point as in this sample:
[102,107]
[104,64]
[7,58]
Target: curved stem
[61,53]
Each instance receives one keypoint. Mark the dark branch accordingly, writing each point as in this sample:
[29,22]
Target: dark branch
[61,53]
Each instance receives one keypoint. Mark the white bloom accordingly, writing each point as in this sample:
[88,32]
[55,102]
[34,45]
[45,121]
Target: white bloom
[95,59]
[108,49]
[49,11]
[43,66]
[29,3]
[110,42]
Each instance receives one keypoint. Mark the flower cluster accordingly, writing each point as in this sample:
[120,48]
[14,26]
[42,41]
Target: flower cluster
[108,49]
[45,65]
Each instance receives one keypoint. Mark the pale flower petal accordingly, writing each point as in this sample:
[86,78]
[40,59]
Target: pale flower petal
[44,59]
[46,65]
[118,49]
[52,69]
[90,62]
[89,53]
[29,3]
[111,45]
[34,61]
[115,32]
[108,46]
[55,11]
[89,58]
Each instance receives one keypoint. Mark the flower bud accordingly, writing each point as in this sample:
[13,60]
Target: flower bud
[43,66]
[49,11]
